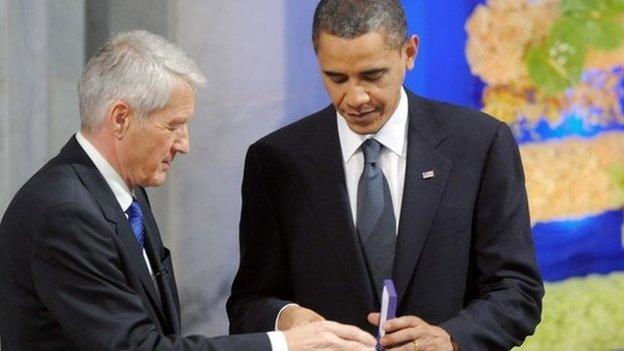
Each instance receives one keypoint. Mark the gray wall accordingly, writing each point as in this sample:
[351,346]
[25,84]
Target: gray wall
[245,48]
[41,56]
[261,74]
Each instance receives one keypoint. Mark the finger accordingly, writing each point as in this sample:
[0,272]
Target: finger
[373,318]
[404,347]
[403,336]
[349,332]
[402,323]
[354,346]
[423,344]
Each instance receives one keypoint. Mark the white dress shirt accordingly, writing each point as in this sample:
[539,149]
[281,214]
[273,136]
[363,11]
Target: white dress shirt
[393,137]
[124,196]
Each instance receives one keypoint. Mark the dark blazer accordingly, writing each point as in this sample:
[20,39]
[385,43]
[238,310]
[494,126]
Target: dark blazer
[72,276]
[465,258]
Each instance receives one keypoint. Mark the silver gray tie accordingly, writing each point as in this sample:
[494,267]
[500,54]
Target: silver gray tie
[375,216]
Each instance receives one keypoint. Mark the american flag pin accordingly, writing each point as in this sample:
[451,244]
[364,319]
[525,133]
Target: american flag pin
[428,175]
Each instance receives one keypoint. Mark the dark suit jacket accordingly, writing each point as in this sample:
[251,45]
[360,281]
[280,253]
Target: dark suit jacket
[465,257]
[72,276]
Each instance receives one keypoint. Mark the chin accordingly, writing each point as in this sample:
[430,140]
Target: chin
[364,130]
[157,180]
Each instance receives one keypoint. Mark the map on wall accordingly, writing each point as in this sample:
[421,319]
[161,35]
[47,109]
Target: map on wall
[553,70]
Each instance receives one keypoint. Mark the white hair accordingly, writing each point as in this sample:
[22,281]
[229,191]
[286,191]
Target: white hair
[137,67]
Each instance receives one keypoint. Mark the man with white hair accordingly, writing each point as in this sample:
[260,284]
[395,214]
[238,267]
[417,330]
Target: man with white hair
[82,265]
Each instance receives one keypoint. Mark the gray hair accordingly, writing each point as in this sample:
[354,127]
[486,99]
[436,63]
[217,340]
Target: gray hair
[352,18]
[137,67]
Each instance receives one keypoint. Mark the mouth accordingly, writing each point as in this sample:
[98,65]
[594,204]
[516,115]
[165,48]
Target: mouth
[362,116]
[362,113]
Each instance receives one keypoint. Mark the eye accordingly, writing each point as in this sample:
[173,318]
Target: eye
[372,76]
[172,127]
[337,78]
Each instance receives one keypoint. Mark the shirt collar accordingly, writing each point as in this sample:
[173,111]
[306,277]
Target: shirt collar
[123,194]
[392,135]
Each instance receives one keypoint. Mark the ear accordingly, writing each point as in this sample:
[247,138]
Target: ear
[119,116]
[410,50]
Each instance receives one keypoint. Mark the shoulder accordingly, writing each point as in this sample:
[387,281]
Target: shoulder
[463,124]
[54,184]
[455,116]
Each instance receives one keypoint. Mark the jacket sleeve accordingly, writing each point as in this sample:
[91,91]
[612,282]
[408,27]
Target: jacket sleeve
[79,276]
[261,287]
[509,287]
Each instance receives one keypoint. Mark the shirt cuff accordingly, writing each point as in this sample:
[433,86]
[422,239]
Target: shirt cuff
[278,341]
[280,313]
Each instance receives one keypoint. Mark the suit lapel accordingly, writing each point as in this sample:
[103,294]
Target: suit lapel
[162,270]
[425,179]
[330,202]
[105,199]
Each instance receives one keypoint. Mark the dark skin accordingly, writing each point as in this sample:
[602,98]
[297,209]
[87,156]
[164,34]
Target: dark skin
[363,77]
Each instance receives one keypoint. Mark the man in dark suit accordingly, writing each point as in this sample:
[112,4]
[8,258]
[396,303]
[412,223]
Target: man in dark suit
[82,265]
[386,184]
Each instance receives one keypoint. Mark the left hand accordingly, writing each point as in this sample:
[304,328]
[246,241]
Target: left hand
[403,331]
[295,316]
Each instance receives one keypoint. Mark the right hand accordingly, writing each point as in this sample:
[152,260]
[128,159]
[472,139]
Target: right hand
[327,335]
[295,316]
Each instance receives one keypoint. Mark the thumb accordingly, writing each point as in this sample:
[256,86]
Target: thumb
[373,318]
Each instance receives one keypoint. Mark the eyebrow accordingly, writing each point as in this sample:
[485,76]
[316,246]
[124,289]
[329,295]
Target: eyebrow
[374,71]
[331,73]
[367,72]
[179,120]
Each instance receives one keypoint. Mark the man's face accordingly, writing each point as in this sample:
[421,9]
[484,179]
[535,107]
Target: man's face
[363,77]
[149,146]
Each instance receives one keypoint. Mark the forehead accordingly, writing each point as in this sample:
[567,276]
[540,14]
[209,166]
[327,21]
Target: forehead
[368,50]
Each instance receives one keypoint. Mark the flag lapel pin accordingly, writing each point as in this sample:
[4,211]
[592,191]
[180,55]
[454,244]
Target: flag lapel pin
[428,175]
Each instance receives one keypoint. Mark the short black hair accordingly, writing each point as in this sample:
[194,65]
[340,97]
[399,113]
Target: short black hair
[352,18]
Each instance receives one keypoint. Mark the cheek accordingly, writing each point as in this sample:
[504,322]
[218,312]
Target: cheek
[335,92]
[161,145]
[154,154]
[386,94]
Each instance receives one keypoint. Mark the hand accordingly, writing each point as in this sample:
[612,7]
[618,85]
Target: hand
[403,331]
[294,316]
[326,335]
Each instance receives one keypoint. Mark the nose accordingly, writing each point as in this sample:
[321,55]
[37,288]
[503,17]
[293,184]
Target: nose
[356,96]
[182,142]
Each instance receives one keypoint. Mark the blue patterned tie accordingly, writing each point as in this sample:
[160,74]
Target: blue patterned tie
[375,216]
[135,217]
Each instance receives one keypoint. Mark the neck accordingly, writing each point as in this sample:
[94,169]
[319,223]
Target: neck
[102,140]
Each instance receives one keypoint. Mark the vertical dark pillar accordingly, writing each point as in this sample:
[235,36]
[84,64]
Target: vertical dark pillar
[97,25]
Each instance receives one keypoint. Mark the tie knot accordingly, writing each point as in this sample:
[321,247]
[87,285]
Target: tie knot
[371,149]
[134,211]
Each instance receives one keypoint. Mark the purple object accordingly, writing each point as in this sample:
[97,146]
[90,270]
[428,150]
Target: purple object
[388,307]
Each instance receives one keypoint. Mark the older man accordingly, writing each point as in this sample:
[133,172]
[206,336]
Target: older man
[386,184]
[82,265]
